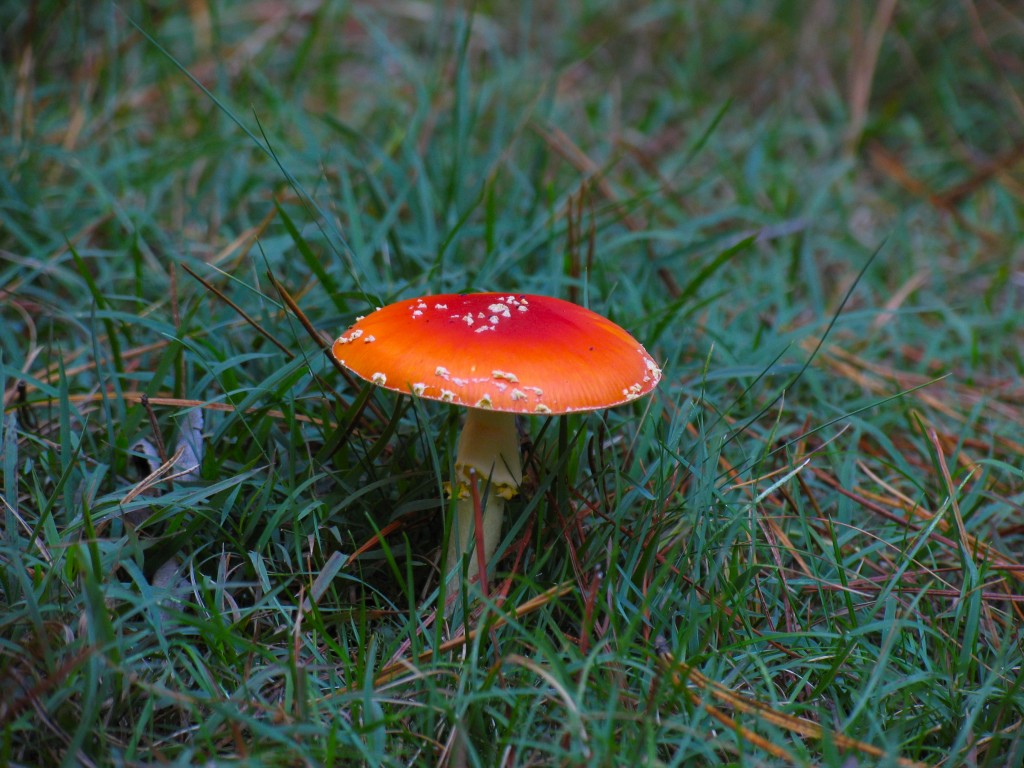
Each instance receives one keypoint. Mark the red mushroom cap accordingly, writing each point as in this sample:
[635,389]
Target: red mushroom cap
[503,352]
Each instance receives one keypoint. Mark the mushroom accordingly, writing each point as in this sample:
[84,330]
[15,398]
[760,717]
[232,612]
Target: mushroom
[497,355]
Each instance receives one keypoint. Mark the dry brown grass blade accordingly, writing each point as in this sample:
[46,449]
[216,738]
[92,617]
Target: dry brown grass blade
[996,560]
[379,536]
[889,164]
[913,509]
[954,504]
[683,674]
[179,402]
[161,474]
[8,292]
[1000,398]
[866,49]
[314,334]
[968,551]
[154,427]
[997,166]
[772,529]
[752,737]
[899,297]
[296,310]
[568,150]
[862,586]
[241,312]
[395,668]
[51,373]
[243,242]
[238,247]
[12,707]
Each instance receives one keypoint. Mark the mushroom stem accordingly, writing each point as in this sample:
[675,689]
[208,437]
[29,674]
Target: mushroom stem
[489,444]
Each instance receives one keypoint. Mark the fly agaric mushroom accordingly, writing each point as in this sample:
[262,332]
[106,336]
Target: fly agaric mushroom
[498,355]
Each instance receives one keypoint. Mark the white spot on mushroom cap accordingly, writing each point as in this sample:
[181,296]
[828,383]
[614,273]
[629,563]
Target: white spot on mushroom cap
[447,396]
[499,309]
[541,408]
[512,301]
[442,372]
[484,402]
[506,376]
[369,339]
[352,336]
[419,388]
[379,379]
[652,369]
[518,394]
[633,392]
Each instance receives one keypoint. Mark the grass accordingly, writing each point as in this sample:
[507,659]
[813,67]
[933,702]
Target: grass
[803,549]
